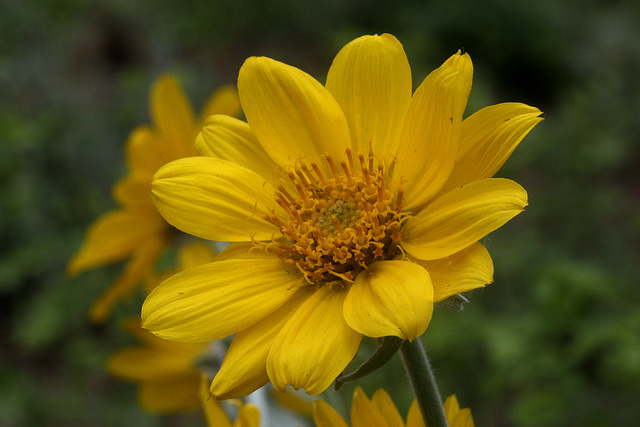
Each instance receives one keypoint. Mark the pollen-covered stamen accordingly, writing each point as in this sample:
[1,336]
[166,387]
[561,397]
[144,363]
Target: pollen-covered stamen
[337,225]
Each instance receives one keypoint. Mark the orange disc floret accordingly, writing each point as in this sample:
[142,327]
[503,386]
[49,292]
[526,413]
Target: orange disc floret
[338,225]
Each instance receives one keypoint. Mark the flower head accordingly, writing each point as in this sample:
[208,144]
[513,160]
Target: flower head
[136,230]
[380,411]
[352,208]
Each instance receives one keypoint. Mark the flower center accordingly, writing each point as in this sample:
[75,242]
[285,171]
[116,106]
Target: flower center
[336,226]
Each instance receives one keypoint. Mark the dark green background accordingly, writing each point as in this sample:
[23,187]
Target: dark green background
[553,342]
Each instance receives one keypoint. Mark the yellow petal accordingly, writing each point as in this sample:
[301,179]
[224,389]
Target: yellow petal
[164,397]
[295,401]
[390,298]
[173,116]
[462,419]
[456,416]
[223,101]
[364,413]
[215,200]
[314,346]
[461,217]
[214,412]
[462,61]
[429,136]
[149,364]
[488,138]
[248,416]
[134,192]
[471,268]
[218,299]
[244,368]
[114,236]
[292,115]
[414,417]
[451,405]
[194,254]
[325,416]
[231,139]
[371,80]
[145,152]
[138,267]
[383,402]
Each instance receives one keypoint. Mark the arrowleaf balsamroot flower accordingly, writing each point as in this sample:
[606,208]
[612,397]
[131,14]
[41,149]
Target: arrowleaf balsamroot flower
[136,230]
[353,207]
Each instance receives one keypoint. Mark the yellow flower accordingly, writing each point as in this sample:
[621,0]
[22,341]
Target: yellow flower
[248,415]
[381,412]
[135,230]
[353,207]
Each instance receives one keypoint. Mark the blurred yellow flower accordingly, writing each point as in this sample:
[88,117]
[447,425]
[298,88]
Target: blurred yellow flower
[352,208]
[381,412]
[135,230]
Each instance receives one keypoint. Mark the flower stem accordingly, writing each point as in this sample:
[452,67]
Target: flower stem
[423,383]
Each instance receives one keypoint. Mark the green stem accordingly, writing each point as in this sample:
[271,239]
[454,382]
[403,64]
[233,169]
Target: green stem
[423,383]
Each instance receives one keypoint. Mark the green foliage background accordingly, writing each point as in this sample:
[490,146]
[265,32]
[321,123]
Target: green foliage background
[553,342]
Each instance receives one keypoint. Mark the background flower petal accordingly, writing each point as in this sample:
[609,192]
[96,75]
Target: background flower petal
[134,192]
[144,364]
[170,396]
[371,80]
[364,413]
[248,416]
[195,253]
[225,100]
[291,113]
[461,217]
[145,151]
[136,270]
[387,408]
[215,199]
[325,416]
[390,298]
[173,116]
[414,417]
[213,411]
[315,345]
[114,236]
[218,299]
